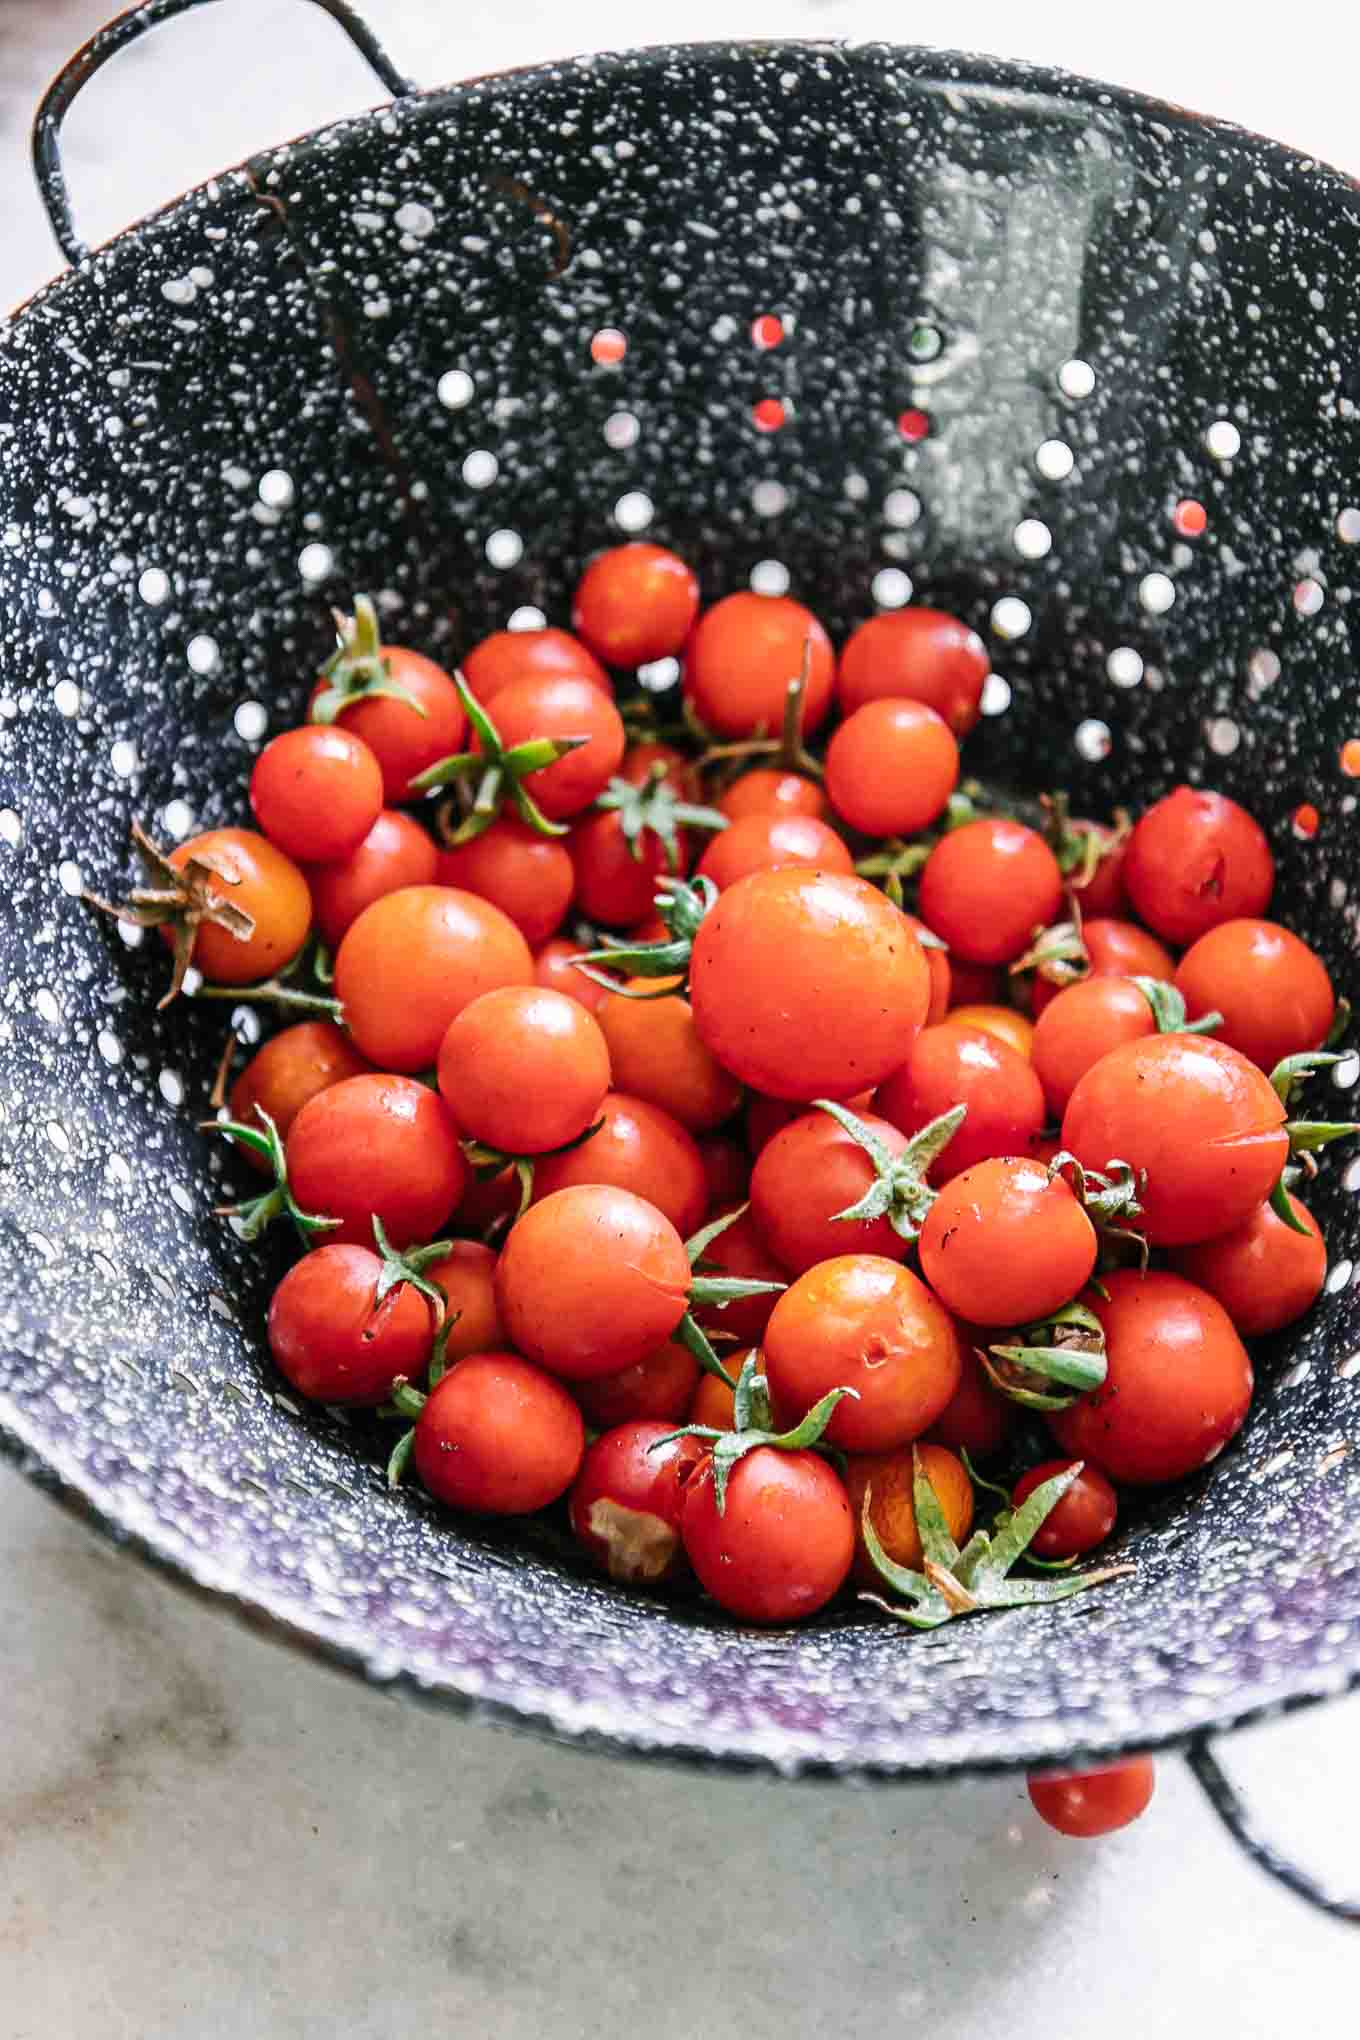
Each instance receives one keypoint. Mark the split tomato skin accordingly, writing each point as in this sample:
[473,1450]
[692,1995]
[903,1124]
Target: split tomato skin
[528,876]
[292,1068]
[635,603]
[377,1145]
[1263,1273]
[1195,860]
[263,882]
[508,655]
[987,887]
[628,1500]
[915,654]
[1082,1519]
[639,1148]
[808,1172]
[498,1437]
[411,962]
[316,792]
[888,1479]
[951,1065]
[782,1546]
[523,1070]
[742,655]
[396,852]
[1006,1243]
[1087,1803]
[1272,990]
[405,741]
[331,1337]
[772,842]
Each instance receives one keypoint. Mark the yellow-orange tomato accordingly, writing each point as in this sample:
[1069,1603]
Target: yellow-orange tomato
[293,1067]
[888,1479]
[259,879]
[711,1402]
[1003,1023]
[656,1054]
[467,1277]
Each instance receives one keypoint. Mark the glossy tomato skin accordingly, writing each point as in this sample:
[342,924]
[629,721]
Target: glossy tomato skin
[951,1065]
[528,876]
[1003,1023]
[1201,1120]
[411,962]
[807,984]
[331,1337]
[565,706]
[613,887]
[379,1145]
[628,1499]
[406,741]
[1006,1243]
[810,1170]
[1084,1517]
[986,888]
[891,767]
[740,1250]
[782,1547]
[1272,990]
[635,603]
[941,972]
[291,1068]
[656,1054]
[316,792]
[591,1280]
[773,790]
[915,654]
[741,656]
[523,1070]
[771,842]
[1086,1803]
[467,1276]
[1080,1025]
[1177,1386]
[529,655]
[258,878]
[396,852]
[888,1479]
[1115,949]
[1263,1273]
[864,1322]
[1195,860]
[498,1437]
[555,969]
[639,1148]
[658,1388]
[977,1419]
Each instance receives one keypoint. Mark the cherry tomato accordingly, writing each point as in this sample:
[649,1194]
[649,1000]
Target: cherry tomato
[888,1478]
[987,887]
[498,1437]
[773,790]
[864,1322]
[660,1386]
[891,767]
[523,1070]
[1115,949]
[1003,1023]
[613,886]
[951,1065]
[331,1336]
[741,656]
[413,960]
[396,852]
[740,1251]
[640,760]
[406,741]
[1200,1119]
[467,1276]
[1262,1272]
[639,1148]
[635,603]
[1194,860]
[628,1499]
[807,984]
[727,1173]
[1005,1243]
[941,974]
[656,1054]
[781,1549]
[771,842]
[1103,892]
[290,1069]
[977,1419]
[258,878]
[1088,1803]
[915,655]
[555,970]
[563,706]
[713,1402]
[528,876]
[1177,1385]
[488,1202]
[316,792]
[591,1280]
[529,655]
[377,1146]
[1273,992]
[1080,1025]
[810,1170]
[1083,1518]
[972,984]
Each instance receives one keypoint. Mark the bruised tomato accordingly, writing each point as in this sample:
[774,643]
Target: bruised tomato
[628,1499]
[1194,860]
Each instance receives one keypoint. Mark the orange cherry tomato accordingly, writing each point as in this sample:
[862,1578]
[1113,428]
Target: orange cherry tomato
[771,842]
[615,887]
[951,1065]
[781,1548]
[713,1402]
[656,1054]
[413,960]
[635,603]
[773,790]
[555,969]
[395,852]
[1272,990]
[987,887]
[377,1146]
[639,1148]
[528,655]
[1005,1243]
[1194,860]
[292,1068]
[498,1437]
[333,1339]
[528,876]
[891,767]
[1003,1022]
[523,1070]
[1262,1272]
[807,1173]
[915,655]
[316,792]
[1083,1518]
[467,1276]
[1086,1803]
[888,1478]
[1079,1025]
[405,741]
[562,706]
[659,1386]
[259,879]
[742,655]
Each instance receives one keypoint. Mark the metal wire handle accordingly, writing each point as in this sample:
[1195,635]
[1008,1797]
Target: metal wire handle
[116,35]
[1241,1824]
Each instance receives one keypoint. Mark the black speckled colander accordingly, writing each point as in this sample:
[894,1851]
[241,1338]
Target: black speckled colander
[1029,335]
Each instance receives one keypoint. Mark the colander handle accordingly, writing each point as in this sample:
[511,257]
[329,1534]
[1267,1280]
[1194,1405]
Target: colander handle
[117,35]
[1241,1823]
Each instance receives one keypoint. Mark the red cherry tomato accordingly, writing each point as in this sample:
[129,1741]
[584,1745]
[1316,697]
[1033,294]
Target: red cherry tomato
[528,876]
[660,1386]
[639,1148]
[727,1173]
[1115,949]
[1194,860]
[292,1068]
[377,1146]
[773,790]
[952,1065]
[591,1280]
[977,1419]
[742,655]
[563,706]
[259,879]
[764,1117]
[891,767]
[1177,1385]
[941,973]
[406,741]
[316,792]
[523,1070]
[987,887]
[889,1480]
[1080,1025]
[864,1322]
[1272,990]
[498,1437]
[628,1499]
[529,655]
[1200,1119]
[635,603]
[613,886]
[1084,1517]
[641,760]
[1262,1272]
[467,1276]
[772,842]
[1086,1803]
[396,852]
[915,655]
[740,1251]
[656,1054]
[782,1546]
[804,1175]
[331,1336]
[807,984]
[413,960]
[972,984]
[555,969]
[1006,1243]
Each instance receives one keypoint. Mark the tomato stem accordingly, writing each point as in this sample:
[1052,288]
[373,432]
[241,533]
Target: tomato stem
[500,774]
[253,1214]
[899,1192]
[275,992]
[1067,1347]
[751,1418]
[682,905]
[358,669]
[180,899]
[656,806]
[407,1400]
[692,1336]
[399,1459]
